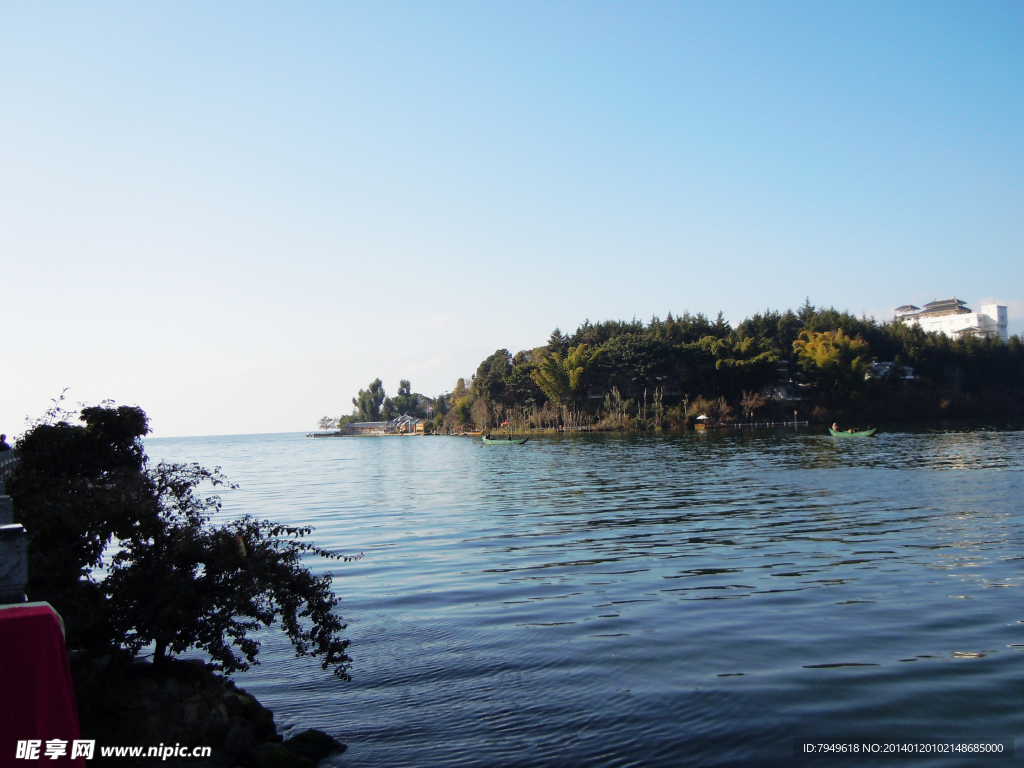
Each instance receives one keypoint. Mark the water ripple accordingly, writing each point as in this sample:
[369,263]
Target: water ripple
[637,600]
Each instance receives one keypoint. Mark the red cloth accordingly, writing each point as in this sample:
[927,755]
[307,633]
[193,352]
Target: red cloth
[37,698]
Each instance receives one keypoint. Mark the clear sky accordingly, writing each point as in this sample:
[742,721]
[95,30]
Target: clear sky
[237,214]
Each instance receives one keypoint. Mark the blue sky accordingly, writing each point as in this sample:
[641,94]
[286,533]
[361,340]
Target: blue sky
[235,215]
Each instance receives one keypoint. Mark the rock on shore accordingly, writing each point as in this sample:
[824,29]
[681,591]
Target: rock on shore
[124,703]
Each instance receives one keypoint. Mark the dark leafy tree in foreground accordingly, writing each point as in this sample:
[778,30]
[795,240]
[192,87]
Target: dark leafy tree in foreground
[76,488]
[178,580]
[189,584]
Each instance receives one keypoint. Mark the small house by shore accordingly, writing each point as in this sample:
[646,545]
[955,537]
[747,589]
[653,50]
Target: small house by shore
[403,425]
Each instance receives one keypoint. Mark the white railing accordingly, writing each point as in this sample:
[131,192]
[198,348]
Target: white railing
[13,542]
[7,461]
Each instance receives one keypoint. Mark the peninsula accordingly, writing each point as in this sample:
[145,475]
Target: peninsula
[820,364]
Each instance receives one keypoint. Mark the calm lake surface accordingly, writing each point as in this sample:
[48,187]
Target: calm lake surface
[699,599]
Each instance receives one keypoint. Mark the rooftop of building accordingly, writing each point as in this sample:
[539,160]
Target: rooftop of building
[407,419]
[935,307]
[945,305]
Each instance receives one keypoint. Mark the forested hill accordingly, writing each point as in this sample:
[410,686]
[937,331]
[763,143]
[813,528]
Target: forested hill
[819,362]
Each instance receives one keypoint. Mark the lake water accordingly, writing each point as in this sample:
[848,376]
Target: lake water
[697,599]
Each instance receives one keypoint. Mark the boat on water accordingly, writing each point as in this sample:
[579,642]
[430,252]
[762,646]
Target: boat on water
[863,433]
[503,440]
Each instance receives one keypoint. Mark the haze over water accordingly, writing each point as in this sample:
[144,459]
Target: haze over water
[697,599]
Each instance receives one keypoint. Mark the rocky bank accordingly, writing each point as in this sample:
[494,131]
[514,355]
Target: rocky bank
[131,703]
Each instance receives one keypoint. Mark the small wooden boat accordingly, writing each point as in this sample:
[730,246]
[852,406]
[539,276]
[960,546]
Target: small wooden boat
[504,440]
[865,433]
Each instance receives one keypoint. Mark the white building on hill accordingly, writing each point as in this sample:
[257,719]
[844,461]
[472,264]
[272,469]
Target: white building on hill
[953,318]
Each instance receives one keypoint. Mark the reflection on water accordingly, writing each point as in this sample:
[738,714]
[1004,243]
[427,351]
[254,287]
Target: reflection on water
[639,600]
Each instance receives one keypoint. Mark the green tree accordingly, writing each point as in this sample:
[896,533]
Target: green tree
[406,401]
[558,343]
[441,404]
[491,380]
[369,401]
[833,360]
[632,362]
[741,363]
[561,378]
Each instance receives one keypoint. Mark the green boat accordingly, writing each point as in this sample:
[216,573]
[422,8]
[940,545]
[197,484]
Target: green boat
[504,440]
[865,433]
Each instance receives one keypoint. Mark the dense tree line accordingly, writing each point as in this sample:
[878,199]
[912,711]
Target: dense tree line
[635,375]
